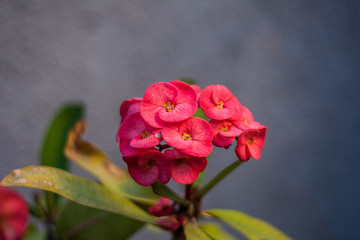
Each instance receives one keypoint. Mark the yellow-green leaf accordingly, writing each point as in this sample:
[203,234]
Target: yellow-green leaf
[252,228]
[95,161]
[77,189]
[193,232]
[215,231]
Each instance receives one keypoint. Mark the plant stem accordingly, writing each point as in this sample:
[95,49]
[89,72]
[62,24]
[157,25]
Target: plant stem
[218,178]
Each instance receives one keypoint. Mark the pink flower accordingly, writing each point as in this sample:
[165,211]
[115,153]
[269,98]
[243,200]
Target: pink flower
[162,208]
[185,168]
[168,103]
[219,103]
[172,222]
[251,142]
[127,108]
[192,136]
[13,214]
[197,90]
[148,167]
[245,119]
[224,132]
[136,135]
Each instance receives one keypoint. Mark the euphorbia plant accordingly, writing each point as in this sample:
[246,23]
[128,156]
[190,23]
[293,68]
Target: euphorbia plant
[167,134]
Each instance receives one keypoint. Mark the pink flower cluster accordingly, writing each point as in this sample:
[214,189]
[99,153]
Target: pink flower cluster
[163,120]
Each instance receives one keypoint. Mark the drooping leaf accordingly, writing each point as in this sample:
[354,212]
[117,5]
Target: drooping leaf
[52,151]
[165,191]
[193,232]
[252,228]
[33,233]
[77,189]
[95,161]
[79,222]
[215,231]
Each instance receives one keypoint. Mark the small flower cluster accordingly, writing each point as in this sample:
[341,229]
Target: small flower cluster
[163,120]
[164,207]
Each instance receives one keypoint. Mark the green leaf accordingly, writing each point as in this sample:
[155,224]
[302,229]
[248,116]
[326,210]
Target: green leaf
[33,233]
[200,114]
[188,80]
[215,231]
[95,161]
[165,191]
[77,189]
[52,152]
[78,222]
[193,232]
[252,228]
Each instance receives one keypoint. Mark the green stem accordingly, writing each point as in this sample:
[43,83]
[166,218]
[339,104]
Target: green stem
[218,178]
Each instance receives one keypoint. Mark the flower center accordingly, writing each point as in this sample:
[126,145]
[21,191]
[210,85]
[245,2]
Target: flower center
[180,161]
[220,105]
[145,134]
[250,141]
[151,162]
[224,128]
[186,136]
[168,106]
[246,121]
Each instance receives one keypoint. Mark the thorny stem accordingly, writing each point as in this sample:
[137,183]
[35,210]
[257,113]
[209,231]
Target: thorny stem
[218,178]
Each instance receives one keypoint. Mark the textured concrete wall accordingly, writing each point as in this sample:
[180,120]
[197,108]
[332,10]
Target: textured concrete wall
[295,64]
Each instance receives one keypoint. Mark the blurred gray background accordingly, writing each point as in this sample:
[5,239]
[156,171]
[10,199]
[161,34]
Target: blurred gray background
[295,64]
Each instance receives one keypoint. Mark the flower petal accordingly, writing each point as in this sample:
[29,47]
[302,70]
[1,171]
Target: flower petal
[127,150]
[181,112]
[133,126]
[221,93]
[199,149]
[144,175]
[199,128]
[173,137]
[221,141]
[150,141]
[129,107]
[242,152]
[164,174]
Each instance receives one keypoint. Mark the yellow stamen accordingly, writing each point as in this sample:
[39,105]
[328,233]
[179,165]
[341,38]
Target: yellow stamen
[246,121]
[220,105]
[168,106]
[224,128]
[145,134]
[250,141]
[186,136]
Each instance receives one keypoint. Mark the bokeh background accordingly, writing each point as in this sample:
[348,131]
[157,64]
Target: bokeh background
[295,64]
